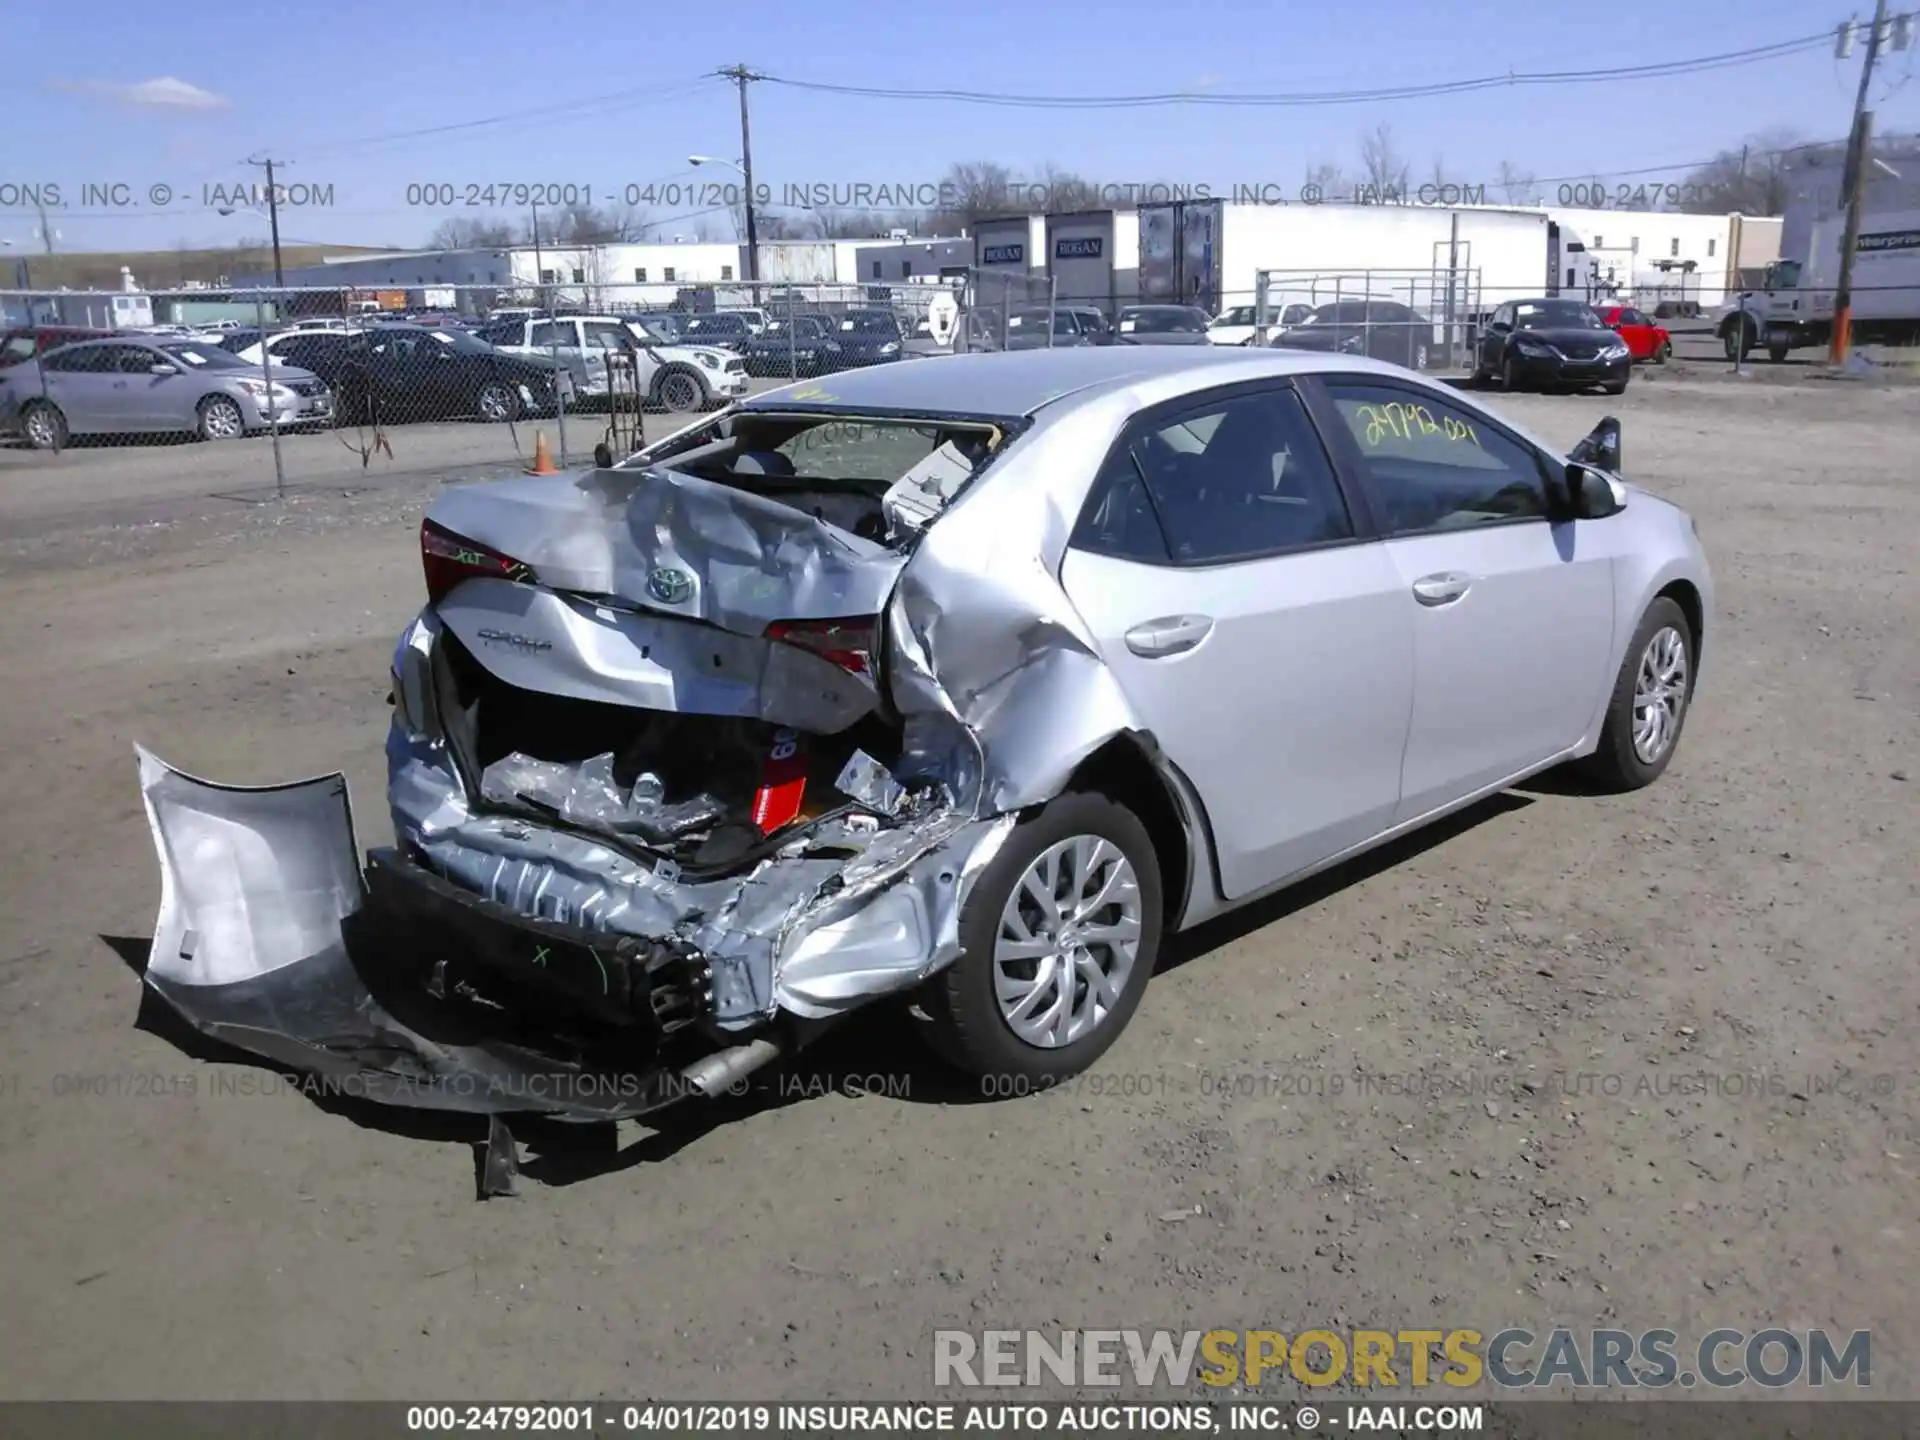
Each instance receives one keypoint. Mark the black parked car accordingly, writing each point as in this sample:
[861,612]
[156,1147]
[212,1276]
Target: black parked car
[1162,325]
[868,337]
[725,332]
[1543,343]
[805,345]
[393,374]
[1378,329]
[1037,327]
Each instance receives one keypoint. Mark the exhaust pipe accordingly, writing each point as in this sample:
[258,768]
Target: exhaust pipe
[715,1074]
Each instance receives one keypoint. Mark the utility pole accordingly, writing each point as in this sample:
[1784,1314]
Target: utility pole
[740,76]
[1855,185]
[273,219]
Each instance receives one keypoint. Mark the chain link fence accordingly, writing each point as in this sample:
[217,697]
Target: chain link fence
[313,385]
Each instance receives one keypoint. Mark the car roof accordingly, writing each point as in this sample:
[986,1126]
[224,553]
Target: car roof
[1022,382]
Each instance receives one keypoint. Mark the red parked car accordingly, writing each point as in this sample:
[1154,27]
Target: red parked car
[1645,339]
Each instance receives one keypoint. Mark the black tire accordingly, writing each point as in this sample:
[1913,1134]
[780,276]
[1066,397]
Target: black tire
[1617,387]
[1737,338]
[1616,766]
[221,419]
[964,1020]
[1776,351]
[681,390]
[497,402]
[1510,375]
[1664,353]
[43,426]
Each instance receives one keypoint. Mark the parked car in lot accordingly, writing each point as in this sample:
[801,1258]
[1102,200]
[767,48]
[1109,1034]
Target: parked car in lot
[757,319]
[721,331]
[670,376]
[804,345]
[1646,338]
[134,386]
[1041,327]
[1550,343]
[1161,325]
[25,341]
[323,352]
[668,324]
[395,374]
[1239,324]
[818,704]
[1378,329]
[868,337]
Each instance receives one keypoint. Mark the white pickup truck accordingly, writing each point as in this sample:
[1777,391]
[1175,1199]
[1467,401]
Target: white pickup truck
[670,376]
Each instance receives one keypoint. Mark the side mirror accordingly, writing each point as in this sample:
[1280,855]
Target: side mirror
[1591,493]
[163,368]
[1601,448]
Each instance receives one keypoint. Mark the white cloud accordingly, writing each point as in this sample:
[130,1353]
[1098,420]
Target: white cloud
[163,93]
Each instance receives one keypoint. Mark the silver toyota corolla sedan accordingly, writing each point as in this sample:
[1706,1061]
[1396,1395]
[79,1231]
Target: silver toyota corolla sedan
[965,682]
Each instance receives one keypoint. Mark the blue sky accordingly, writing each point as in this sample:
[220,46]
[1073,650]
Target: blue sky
[134,95]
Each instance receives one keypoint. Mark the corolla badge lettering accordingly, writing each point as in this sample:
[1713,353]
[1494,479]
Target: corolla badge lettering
[670,587]
[518,642]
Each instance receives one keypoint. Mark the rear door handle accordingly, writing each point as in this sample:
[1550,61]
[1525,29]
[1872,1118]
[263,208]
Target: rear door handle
[1169,635]
[1441,589]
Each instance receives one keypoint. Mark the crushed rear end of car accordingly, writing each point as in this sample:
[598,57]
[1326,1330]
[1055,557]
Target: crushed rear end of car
[686,763]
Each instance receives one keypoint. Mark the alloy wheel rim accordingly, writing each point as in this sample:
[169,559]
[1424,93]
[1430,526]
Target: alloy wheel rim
[493,403]
[1659,695]
[1067,942]
[40,429]
[223,420]
[680,393]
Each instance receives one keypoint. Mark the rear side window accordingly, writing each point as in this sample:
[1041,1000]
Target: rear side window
[1239,479]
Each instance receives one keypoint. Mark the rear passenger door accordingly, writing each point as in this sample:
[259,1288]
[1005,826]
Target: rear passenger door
[83,381]
[1511,601]
[1238,596]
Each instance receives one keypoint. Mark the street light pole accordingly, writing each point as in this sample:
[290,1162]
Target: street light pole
[1856,184]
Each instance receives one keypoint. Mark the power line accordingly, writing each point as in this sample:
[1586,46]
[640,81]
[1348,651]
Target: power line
[592,104]
[1512,78]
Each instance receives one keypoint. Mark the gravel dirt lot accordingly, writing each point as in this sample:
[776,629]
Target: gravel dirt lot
[1641,1061]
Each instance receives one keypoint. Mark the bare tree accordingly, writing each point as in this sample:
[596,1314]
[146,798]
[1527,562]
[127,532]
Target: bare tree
[587,224]
[1751,179]
[972,190]
[461,233]
[1517,186]
[1063,191]
[1383,169]
[1328,179]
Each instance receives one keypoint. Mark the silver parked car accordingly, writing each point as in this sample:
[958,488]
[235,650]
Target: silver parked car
[152,386]
[965,683]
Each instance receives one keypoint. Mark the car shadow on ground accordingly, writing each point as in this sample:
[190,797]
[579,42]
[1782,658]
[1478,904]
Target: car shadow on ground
[874,1054]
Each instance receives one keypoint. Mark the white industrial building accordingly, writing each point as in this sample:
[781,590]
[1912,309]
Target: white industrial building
[1656,256]
[653,273]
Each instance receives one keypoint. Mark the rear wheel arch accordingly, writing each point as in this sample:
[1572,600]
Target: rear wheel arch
[1126,770]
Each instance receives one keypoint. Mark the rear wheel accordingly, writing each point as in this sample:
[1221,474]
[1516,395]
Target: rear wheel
[1664,353]
[44,426]
[220,419]
[1777,350]
[1059,939]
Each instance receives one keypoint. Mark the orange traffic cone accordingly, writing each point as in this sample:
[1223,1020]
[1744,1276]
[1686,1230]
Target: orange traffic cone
[542,457]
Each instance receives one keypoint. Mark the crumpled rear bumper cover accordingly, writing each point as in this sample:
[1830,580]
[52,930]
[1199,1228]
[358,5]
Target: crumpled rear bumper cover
[272,938]
[257,945]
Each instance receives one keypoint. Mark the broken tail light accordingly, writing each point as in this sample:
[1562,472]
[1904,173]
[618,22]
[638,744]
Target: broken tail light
[846,643]
[448,559]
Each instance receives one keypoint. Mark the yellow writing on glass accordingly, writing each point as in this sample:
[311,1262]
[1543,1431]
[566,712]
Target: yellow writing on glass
[1397,421]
